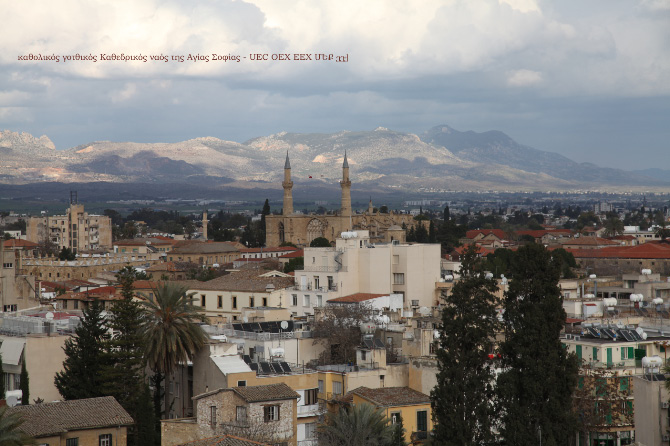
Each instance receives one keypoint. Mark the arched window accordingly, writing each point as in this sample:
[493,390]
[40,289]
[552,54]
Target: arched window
[314,229]
[282,235]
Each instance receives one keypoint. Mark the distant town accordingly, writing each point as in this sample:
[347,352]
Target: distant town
[246,322]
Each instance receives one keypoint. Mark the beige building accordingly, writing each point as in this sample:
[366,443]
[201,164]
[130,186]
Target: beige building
[42,353]
[301,229]
[86,422]
[204,253]
[222,299]
[265,412]
[355,265]
[76,230]
[17,286]
[651,411]
[84,267]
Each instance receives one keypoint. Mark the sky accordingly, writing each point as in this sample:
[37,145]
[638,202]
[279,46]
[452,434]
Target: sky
[587,79]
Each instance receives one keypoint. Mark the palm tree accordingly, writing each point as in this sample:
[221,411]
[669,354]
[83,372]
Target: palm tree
[10,434]
[171,329]
[359,425]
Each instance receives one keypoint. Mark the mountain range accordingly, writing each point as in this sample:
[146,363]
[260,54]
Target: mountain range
[440,159]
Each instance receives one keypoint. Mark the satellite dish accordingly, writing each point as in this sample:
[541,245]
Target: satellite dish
[49,316]
[283,325]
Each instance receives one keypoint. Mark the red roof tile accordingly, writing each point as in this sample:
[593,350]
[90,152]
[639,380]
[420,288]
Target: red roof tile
[294,254]
[643,251]
[358,297]
[18,243]
[475,232]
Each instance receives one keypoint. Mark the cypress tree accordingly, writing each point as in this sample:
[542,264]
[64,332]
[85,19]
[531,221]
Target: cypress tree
[398,438]
[123,374]
[535,390]
[24,384]
[85,358]
[432,233]
[462,400]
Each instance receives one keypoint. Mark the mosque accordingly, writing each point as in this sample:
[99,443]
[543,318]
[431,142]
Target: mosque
[301,229]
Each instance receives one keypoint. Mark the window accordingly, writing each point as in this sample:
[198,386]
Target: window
[271,413]
[310,430]
[398,278]
[76,304]
[311,397]
[337,388]
[265,301]
[320,386]
[363,355]
[234,302]
[396,259]
[395,417]
[316,282]
[422,421]
[72,442]
[105,440]
[212,419]
[203,299]
[319,300]
[219,301]
[295,300]
[627,353]
[251,301]
[330,282]
[306,301]
[241,414]
[241,383]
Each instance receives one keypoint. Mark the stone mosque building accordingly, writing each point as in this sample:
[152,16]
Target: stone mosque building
[301,229]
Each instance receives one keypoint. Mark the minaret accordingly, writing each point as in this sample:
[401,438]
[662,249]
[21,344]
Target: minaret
[346,189]
[288,188]
[205,221]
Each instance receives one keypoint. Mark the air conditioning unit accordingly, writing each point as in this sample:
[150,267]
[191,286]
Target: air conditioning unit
[415,303]
[665,405]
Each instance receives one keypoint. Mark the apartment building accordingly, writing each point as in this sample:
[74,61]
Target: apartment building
[355,265]
[76,230]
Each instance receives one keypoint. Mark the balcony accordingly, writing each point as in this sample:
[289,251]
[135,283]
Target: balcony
[324,269]
[309,442]
[311,410]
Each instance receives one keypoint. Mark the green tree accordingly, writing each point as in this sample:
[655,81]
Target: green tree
[294,264]
[432,233]
[462,400]
[320,242]
[10,429]
[123,374]
[264,212]
[66,254]
[398,438]
[24,384]
[170,329]
[535,390]
[148,424]
[447,214]
[360,425]
[84,357]
[613,226]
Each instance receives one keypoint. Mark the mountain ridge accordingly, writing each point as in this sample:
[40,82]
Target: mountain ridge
[442,158]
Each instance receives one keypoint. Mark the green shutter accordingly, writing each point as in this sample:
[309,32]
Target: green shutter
[609,356]
[631,353]
[623,384]
[595,353]
[608,418]
[580,383]
[579,351]
[629,406]
[623,353]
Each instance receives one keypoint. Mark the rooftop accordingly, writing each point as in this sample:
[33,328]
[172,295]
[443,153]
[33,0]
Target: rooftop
[41,420]
[223,440]
[357,297]
[392,396]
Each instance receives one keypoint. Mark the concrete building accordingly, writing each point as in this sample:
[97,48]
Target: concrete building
[84,267]
[301,229]
[355,265]
[17,287]
[76,230]
[651,412]
[204,253]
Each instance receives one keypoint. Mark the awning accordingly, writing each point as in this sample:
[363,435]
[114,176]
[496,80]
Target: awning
[11,350]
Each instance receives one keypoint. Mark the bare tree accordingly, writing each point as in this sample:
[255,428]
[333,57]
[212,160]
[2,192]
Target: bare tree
[602,400]
[338,331]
